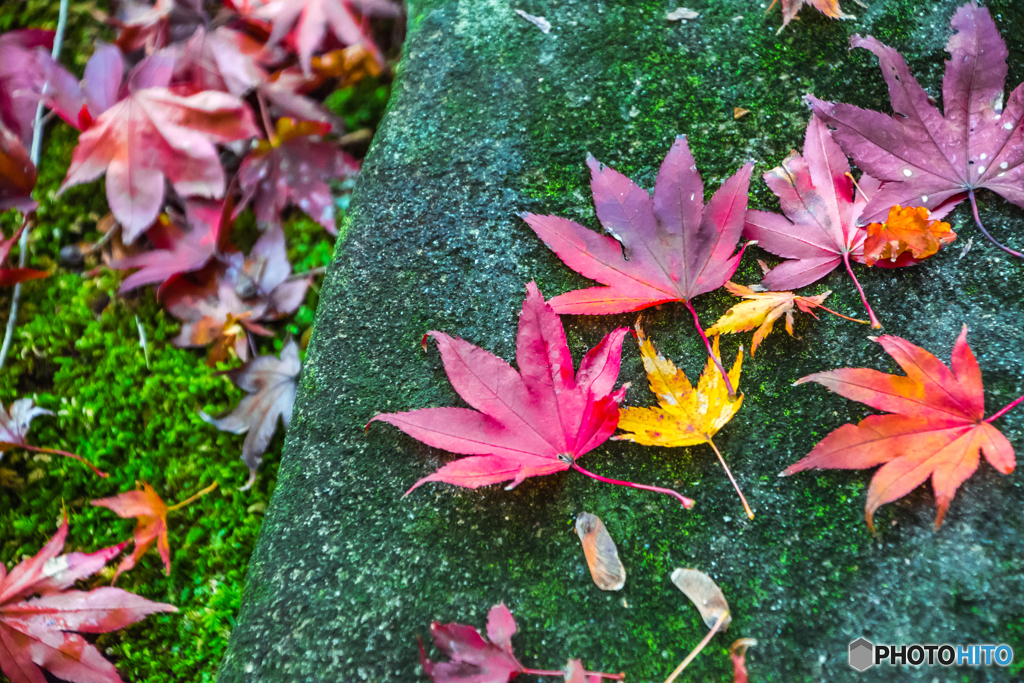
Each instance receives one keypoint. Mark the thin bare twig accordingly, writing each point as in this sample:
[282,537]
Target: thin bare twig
[37,144]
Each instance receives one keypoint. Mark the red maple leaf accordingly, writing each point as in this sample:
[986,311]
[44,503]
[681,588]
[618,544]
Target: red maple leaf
[43,632]
[271,384]
[530,423]
[155,133]
[790,8]
[12,276]
[675,247]
[178,250]
[233,295]
[930,159]
[311,18]
[23,70]
[475,660]
[294,166]
[819,231]
[936,428]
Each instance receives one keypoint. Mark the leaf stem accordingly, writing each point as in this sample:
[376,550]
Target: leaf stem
[192,499]
[871,314]
[37,144]
[66,454]
[750,513]
[543,672]
[687,503]
[700,646]
[977,220]
[707,345]
[844,317]
[1005,410]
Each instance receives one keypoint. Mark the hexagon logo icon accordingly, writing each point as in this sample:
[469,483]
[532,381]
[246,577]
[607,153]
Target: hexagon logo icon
[862,654]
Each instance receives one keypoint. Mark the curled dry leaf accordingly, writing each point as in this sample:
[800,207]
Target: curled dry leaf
[830,8]
[17,174]
[739,112]
[540,22]
[906,230]
[12,276]
[602,556]
[685,416]
[738,654]
[763,309]
[706,596]
[271,386]
[936,427]
[680,13]
[43,632]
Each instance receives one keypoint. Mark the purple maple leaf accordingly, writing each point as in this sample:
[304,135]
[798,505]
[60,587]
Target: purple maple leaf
[932,159]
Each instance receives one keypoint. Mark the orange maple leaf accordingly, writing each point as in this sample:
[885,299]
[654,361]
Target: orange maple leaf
[937,427]
[151,528]
[908,230]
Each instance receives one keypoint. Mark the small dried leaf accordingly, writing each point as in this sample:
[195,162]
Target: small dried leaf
[738,653]
[681,13]
[540,22]
[739,112]
[704,594]
[602,556]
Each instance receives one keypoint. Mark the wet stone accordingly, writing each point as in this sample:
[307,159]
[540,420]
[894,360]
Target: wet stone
[491,117]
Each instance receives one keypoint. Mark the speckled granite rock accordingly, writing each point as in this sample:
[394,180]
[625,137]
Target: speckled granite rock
[491,117]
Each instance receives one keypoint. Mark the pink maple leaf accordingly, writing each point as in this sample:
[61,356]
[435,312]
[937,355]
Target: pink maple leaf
[935,159]
[530,423]
[42,632]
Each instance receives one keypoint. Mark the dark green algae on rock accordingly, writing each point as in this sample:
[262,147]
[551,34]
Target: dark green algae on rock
[491,117]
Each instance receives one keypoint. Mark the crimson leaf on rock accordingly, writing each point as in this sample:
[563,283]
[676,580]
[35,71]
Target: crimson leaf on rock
[933,159]
[530,423]
[294,166]
[271,384]
[675,247]
[42,632]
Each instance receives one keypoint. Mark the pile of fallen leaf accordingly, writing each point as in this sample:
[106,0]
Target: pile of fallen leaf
[671,247]
[192,120]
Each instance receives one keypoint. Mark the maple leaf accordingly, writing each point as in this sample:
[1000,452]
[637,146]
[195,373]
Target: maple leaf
[830,8]
[738,654]
[220,59]
[153,26]
[312,17]
[936,428]
[476,660]
[271,384]
[906,230]
[819,231]
[42,632]
[675,247]
[179,251]
[233,295]
[17,175]
[293,166]
[763,309]
[23,70]
[155,133]
[685,416]
[14,426]
[530,423]
[933,159]
[12,276]
[152,525]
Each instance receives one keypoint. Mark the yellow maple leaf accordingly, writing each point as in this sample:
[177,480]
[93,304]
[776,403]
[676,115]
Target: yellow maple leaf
[764,308]
[909,230]
[686,416]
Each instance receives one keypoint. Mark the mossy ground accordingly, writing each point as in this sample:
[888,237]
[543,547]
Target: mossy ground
[76,352]
[491,117]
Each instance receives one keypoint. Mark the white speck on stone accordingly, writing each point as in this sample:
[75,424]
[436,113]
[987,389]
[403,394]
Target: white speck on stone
[681,13]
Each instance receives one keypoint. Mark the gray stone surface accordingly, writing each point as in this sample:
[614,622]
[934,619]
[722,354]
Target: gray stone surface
[491,117]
